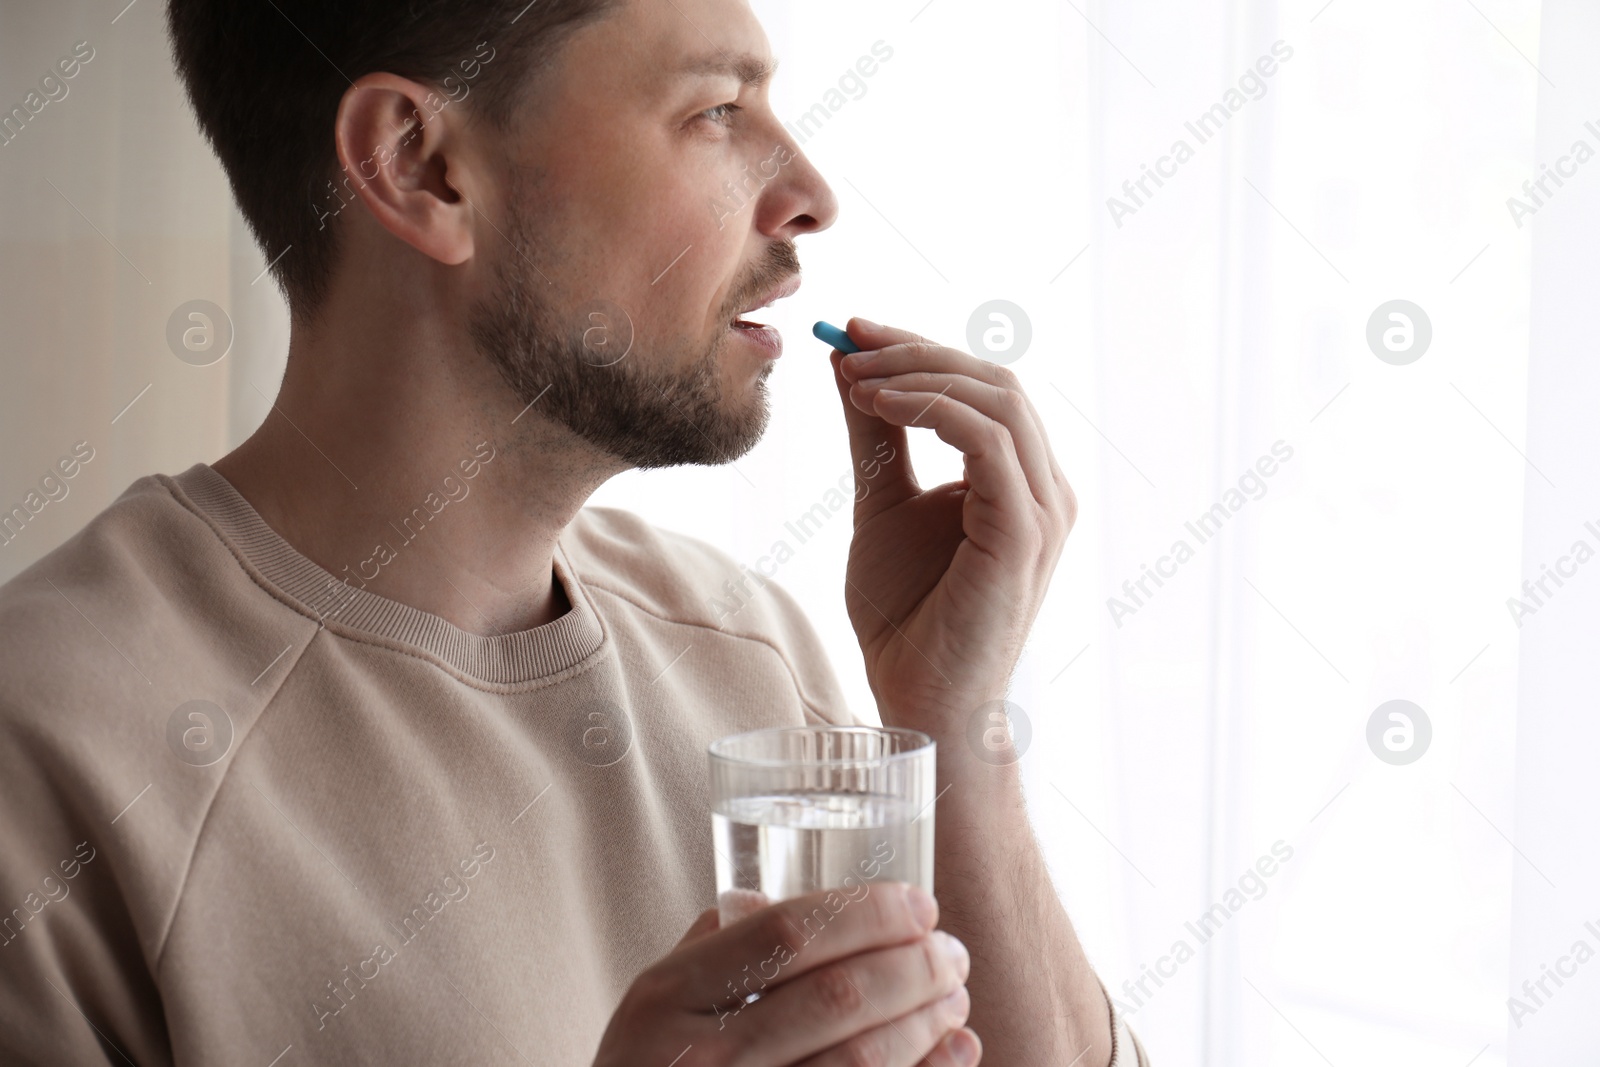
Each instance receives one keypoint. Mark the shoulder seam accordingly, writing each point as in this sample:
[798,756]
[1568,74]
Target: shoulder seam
[188,867]
[794,677]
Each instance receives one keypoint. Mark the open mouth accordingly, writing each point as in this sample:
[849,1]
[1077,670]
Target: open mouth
[788,288]
[765,338]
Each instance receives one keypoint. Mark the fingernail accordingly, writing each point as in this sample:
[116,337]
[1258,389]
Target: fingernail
[892,394]
[957,952]
[871,383]
[923,909]
[964,1047]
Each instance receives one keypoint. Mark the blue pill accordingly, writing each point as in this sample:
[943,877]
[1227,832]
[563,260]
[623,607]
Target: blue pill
[829,333]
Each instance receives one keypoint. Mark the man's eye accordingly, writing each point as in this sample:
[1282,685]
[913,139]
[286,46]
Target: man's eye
[722,114]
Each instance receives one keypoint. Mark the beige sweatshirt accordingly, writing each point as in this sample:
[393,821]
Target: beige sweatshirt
[251,814]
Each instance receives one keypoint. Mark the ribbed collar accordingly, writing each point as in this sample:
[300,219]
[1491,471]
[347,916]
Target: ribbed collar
[509,659]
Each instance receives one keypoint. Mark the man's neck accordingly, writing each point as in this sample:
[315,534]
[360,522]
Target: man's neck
[414,472]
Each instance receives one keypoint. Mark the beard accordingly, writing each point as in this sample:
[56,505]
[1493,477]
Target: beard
[661,408]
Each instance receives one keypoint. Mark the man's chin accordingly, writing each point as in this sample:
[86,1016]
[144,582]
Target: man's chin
[708,437]
[740,430]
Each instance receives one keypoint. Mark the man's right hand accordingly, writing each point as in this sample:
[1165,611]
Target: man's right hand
[870,983]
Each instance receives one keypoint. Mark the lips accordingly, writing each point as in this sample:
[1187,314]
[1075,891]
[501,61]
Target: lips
[788,288]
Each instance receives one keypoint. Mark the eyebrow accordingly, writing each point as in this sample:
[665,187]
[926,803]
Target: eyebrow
[749,69]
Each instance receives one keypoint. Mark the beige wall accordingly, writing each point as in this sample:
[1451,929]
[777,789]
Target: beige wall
[83,314]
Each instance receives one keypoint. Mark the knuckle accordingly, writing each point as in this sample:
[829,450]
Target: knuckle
[1013,403]
[890,909]
[836,993]
[864,1050]
[1069,504]
[1006,378]
[773,927]
[999,437]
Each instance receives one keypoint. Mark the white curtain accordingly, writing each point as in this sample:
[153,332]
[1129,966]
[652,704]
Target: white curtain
[1199,348]
[1556,883]
[1336,157]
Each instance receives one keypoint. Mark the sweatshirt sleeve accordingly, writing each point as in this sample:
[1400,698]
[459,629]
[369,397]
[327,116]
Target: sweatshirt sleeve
[74,984]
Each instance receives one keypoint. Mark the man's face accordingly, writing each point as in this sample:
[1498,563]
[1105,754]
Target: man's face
[652,197]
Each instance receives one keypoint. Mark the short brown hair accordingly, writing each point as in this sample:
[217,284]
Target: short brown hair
[265,78]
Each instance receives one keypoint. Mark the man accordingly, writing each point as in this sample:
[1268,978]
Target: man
[369,743]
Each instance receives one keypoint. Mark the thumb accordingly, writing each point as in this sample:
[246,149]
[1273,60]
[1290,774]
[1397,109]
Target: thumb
[878,453]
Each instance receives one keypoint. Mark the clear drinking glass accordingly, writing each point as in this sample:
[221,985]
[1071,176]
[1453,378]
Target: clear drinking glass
[798,809]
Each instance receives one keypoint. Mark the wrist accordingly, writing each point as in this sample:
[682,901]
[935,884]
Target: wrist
[974,735]
[939,711]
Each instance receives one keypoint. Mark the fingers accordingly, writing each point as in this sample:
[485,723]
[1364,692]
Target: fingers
[831,968]
[792,938]
[870,335]
[1009,407]
[933,1035]
[839,1002]
[994,473]
[888,353]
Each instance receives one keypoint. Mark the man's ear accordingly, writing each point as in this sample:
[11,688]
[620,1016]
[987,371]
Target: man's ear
[399,142]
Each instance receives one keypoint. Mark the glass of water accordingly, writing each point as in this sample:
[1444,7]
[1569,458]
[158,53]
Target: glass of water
[798,809]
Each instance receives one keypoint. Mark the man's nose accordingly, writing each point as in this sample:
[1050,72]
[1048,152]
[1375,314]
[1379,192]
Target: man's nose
[799,200]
